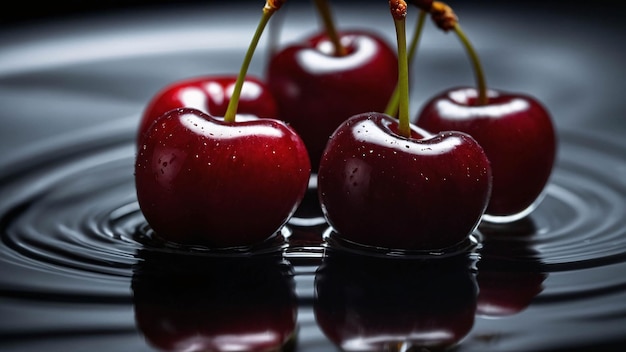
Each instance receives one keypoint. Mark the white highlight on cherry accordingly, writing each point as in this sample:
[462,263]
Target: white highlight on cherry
[194,98]
[218,130]
[451,110]
[371,132]
[321,60]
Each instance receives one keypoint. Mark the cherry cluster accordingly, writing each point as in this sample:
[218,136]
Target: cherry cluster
[225,161]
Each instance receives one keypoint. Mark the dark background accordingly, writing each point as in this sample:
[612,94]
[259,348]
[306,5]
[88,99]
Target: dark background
[26,12]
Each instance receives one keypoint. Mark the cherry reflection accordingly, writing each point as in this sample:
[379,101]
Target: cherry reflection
[198,303]
[509,269]
[377,303]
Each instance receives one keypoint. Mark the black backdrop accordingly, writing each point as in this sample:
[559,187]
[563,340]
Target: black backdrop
[21,12]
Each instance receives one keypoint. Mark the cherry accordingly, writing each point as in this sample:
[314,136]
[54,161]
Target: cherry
[210,94]
[385,183]
[188,302]
[380,188]
[328,77]
[515,130]
[197,176]
[374,303]
[203,180]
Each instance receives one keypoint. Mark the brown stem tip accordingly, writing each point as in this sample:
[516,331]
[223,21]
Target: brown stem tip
[398,9]
[273,5]
[443,16]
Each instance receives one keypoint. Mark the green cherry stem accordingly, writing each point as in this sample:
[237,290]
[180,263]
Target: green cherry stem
[392,106]
[271,6]
[478,69]
[275,28]
[398,12]
[323,8]
[445,18]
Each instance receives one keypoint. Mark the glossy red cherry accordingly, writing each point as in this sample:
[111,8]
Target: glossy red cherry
[198,303]
[210,94]
[228,182]
[371,303]
[385,183]
[316,90]
[516,132]
[204,181]
[379,188]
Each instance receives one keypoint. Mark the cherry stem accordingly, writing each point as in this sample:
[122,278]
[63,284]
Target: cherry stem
[445,18]
[271,6]
[398,11]
[392,106]
[325,13]
[275,29]
[478,70]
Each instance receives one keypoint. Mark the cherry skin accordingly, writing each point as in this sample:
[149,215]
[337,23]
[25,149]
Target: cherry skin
[210,94]
[381,189]
[316,90]
[517,134]
[203,181]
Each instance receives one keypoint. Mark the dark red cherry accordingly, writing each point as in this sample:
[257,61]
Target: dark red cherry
[211,95]
[516,132]
[379,188]
[203,181]
[316,90]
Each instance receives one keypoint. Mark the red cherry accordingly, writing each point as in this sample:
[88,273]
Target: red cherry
[382,189]
[201,180]
[204,181]
[317,90]
[371,303]
[385,183]
[199,303]
[515,131]
[210,94]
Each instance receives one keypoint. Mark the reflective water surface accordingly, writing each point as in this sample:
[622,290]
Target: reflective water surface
[79,269]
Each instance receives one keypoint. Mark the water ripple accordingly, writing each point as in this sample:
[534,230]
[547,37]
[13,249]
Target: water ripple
[79,216]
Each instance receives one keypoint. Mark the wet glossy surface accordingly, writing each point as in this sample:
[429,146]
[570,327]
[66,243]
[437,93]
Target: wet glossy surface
[74,244]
